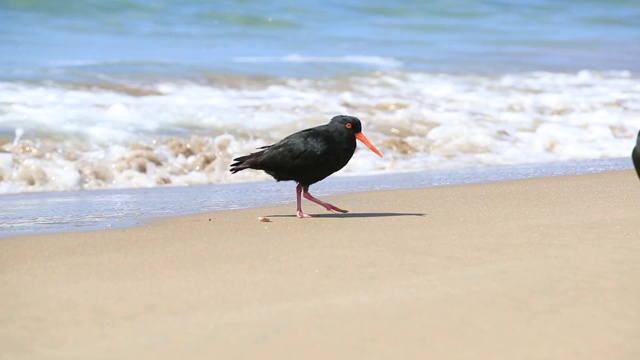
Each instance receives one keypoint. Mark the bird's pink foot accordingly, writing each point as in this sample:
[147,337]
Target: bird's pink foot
[335,209]
[329,207]
[302,215]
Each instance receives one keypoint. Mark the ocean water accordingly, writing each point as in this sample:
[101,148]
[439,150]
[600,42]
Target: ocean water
[124,94]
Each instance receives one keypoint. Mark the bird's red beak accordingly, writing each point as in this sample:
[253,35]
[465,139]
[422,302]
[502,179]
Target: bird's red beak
[360,136]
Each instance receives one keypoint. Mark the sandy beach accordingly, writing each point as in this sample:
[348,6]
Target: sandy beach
[532,269]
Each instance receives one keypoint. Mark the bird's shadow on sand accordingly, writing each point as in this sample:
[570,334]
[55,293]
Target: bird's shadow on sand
[351,215]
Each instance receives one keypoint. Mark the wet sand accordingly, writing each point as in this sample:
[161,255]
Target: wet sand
[536,269]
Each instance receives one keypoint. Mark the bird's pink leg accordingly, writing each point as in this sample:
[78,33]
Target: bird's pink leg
[299,212]
[327,206]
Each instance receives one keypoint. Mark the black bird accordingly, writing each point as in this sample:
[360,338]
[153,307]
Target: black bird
[309,156]
[635,155]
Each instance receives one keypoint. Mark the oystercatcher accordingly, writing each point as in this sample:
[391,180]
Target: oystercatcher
[309,156]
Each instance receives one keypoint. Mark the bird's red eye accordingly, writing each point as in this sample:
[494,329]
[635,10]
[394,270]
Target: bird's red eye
[348,125]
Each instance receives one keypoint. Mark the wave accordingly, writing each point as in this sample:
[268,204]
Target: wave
[65,136]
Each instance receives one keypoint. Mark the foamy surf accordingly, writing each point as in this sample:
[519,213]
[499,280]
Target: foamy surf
[136,133]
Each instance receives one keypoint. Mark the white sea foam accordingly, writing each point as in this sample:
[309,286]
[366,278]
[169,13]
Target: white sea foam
[184,133]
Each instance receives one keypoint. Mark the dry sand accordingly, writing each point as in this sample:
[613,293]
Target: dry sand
[533,269]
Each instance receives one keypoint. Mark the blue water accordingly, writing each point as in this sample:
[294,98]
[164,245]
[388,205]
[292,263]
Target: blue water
[101,94]
[86,40]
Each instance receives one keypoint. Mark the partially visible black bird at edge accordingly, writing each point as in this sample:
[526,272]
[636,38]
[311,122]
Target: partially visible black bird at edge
[309,156]
[635,155]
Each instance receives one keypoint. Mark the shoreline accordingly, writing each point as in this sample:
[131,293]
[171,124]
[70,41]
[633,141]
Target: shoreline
[90,210]
[535,268]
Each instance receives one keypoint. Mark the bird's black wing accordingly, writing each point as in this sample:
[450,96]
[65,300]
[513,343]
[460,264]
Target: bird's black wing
[306,148]
[306,156]
[276,157]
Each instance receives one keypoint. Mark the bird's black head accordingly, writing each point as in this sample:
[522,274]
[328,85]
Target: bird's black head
[350,123]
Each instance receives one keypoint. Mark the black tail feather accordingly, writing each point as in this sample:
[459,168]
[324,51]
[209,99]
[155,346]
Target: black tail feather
[240,164]
[250,161]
